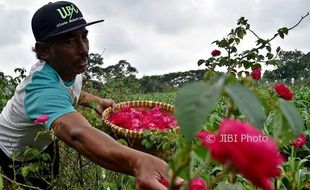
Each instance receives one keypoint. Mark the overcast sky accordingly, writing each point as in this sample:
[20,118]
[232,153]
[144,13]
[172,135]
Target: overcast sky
[156,36]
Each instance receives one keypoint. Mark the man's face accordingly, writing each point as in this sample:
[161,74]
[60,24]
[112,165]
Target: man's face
[69,54]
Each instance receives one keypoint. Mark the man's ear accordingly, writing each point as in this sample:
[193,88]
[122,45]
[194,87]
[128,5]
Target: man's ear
[42,50]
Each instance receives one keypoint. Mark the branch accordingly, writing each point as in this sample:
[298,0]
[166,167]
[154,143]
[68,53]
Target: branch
[267,41]
[19,184]
[302,17]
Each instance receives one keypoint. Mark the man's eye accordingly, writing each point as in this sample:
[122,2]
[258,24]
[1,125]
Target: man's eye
[85,38]
[70,41]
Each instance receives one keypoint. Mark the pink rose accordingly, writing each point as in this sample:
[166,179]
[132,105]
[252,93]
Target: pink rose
[216,52]
[246,148]
[256,73]
[299,141]
[198,184]
[41,119]
[283,91]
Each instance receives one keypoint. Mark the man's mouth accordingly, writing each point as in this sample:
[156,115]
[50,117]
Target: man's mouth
[83,62]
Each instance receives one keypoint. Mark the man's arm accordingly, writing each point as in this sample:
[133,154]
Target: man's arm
[86,99]
[102,149]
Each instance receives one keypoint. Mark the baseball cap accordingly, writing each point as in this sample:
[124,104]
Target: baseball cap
[57,18]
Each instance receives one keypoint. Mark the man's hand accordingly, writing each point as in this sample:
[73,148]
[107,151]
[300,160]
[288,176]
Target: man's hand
[103,104]
[150,171]
[87,99]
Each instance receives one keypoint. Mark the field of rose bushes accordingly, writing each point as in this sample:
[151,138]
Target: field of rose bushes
[294,173]
[273,161]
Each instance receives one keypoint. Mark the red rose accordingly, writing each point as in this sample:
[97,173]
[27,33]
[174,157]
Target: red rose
[198,184]
[216,52]
[256,73]
[299,141]
[283,91]
[246,148]
[166,183]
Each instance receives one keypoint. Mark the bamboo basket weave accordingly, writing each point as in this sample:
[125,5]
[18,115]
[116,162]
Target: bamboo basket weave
[134,138]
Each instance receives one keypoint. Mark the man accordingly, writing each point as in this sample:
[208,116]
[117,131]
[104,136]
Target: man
[52,88]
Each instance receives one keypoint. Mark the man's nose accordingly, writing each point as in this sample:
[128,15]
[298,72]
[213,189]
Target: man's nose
[83,46]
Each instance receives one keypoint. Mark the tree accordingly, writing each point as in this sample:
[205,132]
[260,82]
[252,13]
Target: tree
[94,69]
[170,81]
[121,70]
[291,64]
[8,85]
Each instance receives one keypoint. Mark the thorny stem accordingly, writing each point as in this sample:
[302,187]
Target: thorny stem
[275,35]
[175,175]
[302,17]
[179,169]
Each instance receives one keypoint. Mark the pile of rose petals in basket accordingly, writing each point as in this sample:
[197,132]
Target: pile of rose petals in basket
[140,119]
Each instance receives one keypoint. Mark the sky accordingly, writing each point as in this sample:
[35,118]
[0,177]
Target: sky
[159,36]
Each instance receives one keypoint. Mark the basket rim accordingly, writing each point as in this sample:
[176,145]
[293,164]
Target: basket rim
[149,103]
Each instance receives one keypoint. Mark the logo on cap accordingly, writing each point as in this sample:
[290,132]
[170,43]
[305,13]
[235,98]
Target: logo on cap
[57,18]
[67,11]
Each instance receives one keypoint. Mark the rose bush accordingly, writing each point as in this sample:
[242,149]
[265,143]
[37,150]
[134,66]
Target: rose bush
[224,151]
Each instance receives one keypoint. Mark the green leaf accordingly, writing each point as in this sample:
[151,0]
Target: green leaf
[146,133]
[293,117]
[194,102]
[269,55]
[233,49]
[25,171]
[281,34]
[241,32]
[147,144]
[1,183]
[200,153]
[46,157]
[285,30]
[237,40]
[31,153]
[181,162]
[123,142]
[152,137]
[166,145]
[248,103]
[200,62]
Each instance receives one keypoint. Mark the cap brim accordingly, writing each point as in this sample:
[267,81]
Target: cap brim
[73,28]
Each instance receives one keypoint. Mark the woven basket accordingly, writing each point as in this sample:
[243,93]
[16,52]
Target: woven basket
[134,138]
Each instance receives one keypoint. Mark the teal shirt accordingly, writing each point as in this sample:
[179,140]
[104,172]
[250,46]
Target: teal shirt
[48,95]
[42,92]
